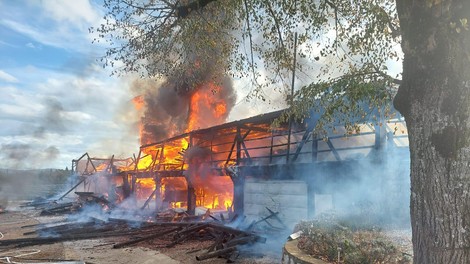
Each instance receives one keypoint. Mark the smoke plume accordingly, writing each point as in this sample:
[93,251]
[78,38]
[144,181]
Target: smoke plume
[168,106]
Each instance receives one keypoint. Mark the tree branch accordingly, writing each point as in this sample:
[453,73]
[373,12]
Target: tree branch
[276,22]
[184,10]
[250,38]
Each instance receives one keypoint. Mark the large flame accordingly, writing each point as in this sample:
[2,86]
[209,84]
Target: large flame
[207,107]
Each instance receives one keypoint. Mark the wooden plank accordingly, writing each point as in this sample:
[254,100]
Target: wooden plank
[152,236]
[216,253]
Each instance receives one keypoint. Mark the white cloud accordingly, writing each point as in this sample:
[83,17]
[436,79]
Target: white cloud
[53,39]
[77,115]
[7,77]
[84,112]
[55,23]
[6,44]
[32,46]
[75,108]
[78,12]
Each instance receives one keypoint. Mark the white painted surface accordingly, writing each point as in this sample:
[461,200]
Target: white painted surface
[289,198]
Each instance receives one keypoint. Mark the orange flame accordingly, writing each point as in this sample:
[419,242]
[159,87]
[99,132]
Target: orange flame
[139,102]
[207,108]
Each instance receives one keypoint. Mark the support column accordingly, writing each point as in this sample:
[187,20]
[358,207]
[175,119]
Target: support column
[238,180]
[238,194]
[158,184]
[134,179]
[191,197]
[126,188]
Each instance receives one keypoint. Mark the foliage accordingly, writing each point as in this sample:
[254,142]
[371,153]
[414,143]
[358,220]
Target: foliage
[350,100]
[341,47]
[325,238]
[152,39]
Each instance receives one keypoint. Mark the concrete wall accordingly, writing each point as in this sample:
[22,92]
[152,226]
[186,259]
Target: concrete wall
[289,198]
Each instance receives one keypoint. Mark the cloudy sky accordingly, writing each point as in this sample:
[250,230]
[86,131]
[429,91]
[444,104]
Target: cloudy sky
[56,101]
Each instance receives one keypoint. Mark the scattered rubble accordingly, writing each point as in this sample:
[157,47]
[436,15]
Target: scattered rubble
[224,235]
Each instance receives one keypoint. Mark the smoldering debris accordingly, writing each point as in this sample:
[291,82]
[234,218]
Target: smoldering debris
[210,235]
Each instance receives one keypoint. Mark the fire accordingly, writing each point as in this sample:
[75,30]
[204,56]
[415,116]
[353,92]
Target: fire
[214,192]
[207,107]
[139,102]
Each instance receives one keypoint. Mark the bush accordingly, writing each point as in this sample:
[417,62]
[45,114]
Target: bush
[325,238]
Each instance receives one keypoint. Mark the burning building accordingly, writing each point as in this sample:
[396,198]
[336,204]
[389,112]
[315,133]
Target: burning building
[248,167]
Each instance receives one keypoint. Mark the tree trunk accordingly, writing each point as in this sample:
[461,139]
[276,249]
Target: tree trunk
[435,100]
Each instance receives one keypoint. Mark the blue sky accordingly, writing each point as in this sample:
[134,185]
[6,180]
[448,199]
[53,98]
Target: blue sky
[57,101]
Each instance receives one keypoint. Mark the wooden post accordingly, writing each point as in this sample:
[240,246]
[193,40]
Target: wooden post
[191,200]
[238,193]
[314,148]
[158,186]
[292,97]
[133,181]
[239,145]
[271,148]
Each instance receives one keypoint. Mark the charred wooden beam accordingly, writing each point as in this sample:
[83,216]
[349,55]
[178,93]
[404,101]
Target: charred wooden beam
[314,149]
[231,150]
[235,231]
[238,193]
[238,143]
[149,199]
[61,208]
[73,188]
[304,140]
[216,253]
[240,241]
[233,256]
[185,233]
[218,242]
[23,242]
[153,236]
[275,215]
[332,148]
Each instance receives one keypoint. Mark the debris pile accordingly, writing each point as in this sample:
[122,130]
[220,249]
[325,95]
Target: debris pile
[224,236]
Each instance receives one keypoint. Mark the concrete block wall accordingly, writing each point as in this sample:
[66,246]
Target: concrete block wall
[289,198]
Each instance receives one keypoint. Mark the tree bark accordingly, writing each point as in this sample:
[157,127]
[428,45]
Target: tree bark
[434,98]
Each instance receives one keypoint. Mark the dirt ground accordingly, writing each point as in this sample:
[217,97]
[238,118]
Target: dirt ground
[13,225]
